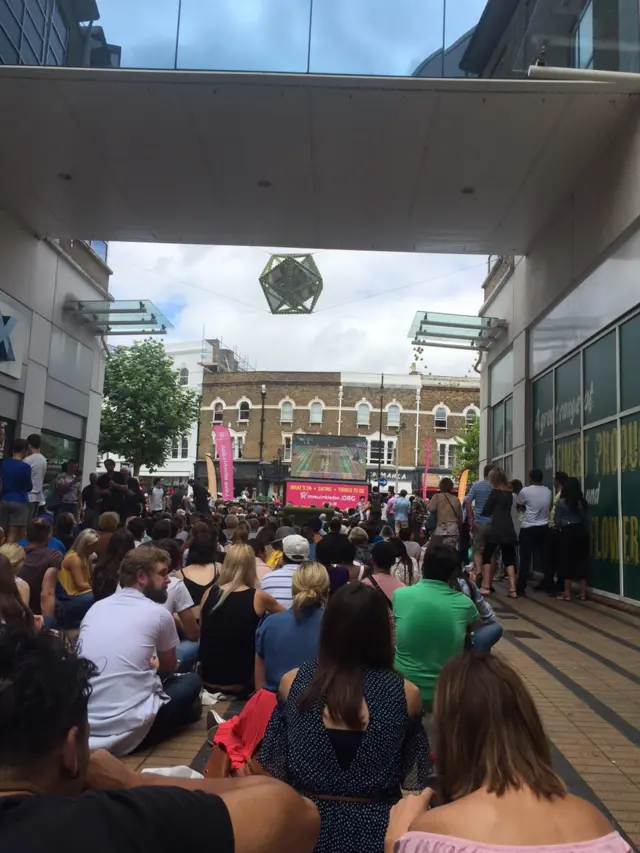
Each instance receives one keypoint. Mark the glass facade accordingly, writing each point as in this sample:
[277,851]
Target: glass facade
[585,421]
[425,38]
[57,450]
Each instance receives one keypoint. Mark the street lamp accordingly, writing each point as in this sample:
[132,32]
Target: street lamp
[263,394]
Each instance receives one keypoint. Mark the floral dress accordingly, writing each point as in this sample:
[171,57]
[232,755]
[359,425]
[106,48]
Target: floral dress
[392,753]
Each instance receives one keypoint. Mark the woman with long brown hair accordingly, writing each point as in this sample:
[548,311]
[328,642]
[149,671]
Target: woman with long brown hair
[347,732]
[13,610]
[448,512]
[498,788]
[501,533]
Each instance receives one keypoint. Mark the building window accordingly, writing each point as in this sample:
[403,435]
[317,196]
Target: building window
[184,376]
[447,454]
[286,412]
[382,451]
[243,411]
[286,449]
[32,33]
[100,247]
[184,447]
[315,413]
[583,38]
[238,447]
[472,416]
[502,434]
[218,413]
[441,418]
[393,416]
[175,450]
[363,413]
[442,455]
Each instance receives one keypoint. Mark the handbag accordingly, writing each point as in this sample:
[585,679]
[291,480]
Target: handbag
[432,520]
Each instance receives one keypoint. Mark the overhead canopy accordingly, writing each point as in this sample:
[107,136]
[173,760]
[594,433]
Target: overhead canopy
[120,317]
[299,161]
[454,331]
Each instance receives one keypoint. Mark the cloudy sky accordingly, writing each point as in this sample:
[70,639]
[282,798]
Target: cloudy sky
[361,320]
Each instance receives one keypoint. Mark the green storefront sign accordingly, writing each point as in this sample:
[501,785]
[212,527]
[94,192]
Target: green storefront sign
[569,455]
[630,468]
[542,400]
[568,410]
[543,459]
[601,492]
[600,397]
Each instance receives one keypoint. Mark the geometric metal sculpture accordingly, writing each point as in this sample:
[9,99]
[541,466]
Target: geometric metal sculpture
[291,284]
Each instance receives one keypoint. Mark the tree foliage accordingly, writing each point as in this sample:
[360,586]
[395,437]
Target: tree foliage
[468,454]
[145,409]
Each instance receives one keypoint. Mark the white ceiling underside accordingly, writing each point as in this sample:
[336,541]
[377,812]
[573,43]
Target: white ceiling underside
[354,163]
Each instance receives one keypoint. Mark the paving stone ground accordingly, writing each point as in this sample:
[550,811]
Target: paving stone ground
[581,661]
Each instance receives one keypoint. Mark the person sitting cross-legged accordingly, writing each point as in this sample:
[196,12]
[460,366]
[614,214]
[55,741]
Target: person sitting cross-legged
[134,697]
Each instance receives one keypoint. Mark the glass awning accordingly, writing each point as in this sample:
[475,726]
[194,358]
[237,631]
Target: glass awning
[454,331]
[121,317]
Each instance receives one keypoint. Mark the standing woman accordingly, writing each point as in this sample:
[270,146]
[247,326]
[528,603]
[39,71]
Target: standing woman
[448,514]
[347,732]
[229,616]
[573,537]
[501,533]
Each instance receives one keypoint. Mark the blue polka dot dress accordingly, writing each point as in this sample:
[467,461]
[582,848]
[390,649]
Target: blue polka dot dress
[392,753]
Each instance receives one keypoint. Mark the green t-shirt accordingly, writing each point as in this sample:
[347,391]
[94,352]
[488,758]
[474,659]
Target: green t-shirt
[431,625]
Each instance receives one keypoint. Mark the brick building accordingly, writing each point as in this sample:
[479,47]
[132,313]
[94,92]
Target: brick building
[413,407]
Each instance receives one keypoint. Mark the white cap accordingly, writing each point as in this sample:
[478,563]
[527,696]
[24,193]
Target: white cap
[296,548]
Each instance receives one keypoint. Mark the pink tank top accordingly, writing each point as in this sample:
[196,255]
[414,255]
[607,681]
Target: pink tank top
[428,842]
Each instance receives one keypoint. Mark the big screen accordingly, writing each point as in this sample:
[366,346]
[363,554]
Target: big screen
[329,457]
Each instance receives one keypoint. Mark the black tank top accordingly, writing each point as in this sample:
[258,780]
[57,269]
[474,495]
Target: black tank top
[197,590]
[227,638]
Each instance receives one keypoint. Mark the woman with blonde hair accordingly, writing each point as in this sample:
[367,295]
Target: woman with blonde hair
[360,538]
[229,616]
[75,571]
[15,555]
[284,641]
[498,788]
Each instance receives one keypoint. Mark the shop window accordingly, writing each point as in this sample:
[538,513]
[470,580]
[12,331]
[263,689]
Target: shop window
[286,412]
[393,416]
[315,413]
[441,418]
[497,430]
[599,400]
[363,413]
[7,434]
[583,38]
[629,360]
[57,449]
[243,411]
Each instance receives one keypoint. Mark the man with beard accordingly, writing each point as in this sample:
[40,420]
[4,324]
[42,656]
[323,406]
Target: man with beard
[135,696]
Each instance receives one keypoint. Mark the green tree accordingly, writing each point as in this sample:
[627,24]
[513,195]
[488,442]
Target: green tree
[145,409]
[468,455]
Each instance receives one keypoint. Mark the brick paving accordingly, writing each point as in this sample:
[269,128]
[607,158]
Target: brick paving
[581,662]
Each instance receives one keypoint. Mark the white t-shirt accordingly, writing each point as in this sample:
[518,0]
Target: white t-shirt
[178,596]
[156,501]
[120,634]
[38,465]
[537,503]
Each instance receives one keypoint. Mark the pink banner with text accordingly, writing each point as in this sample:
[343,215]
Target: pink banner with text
[340,495]
[225,460]
[427,460]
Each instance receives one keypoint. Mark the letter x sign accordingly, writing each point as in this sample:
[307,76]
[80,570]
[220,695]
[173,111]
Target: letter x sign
[7,325]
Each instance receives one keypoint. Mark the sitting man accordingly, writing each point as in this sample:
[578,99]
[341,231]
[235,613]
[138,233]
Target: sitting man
[44,751]
[278,582]
[40,570]
[432,621]
[134,697]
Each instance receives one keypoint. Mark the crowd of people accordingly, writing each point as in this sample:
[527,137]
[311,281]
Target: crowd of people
[348,639]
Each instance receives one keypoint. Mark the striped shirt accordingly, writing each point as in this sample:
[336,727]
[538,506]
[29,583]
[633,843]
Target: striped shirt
[479,495]
[278,583]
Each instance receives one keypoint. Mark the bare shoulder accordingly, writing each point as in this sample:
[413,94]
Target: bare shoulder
[444,820]
[285,683]
[414,699]
[586,816]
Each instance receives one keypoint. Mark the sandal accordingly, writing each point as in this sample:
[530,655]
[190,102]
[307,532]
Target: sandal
[563,597]
[484,591]
[512,593]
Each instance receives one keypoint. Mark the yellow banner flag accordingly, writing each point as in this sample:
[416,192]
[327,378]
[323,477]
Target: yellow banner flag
[462,485]
[211,477]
